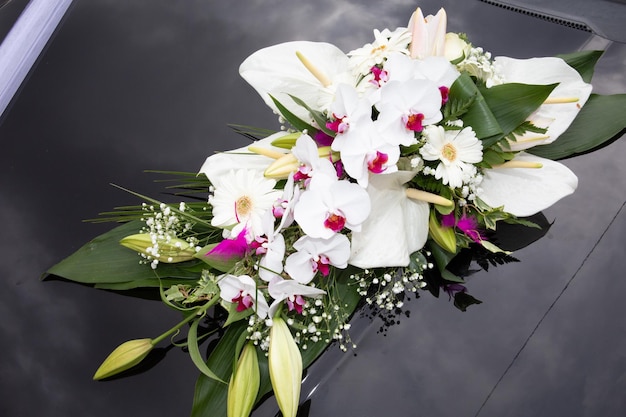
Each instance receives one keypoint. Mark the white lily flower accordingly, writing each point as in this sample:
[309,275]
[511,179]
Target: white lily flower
[329,205]
[562,105]
[394,218]
[241,290]
[292,292]
[434,68]
[315,254]
[526,191]
[427,34]
[277,70]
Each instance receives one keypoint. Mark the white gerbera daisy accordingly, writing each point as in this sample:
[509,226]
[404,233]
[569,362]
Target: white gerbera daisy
[456,149]
[375,53]
[240,199]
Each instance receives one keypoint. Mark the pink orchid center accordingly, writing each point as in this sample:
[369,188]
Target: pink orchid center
[380,76]
[376,163]
[414,122]
[339,124]
[335,222]
[295,302]
[445,94]
[302,174]
[321,263]
[244,301]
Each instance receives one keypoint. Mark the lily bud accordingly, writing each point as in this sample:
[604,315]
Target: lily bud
[173,251]
[443,236]
[244,384]
[286,141]
[282,167]
[124,357]
[285,366]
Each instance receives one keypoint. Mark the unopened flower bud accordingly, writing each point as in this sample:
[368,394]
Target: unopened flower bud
[124,357]
[456,48]
[244,384]
[443,236]
[171,251]
[285,366]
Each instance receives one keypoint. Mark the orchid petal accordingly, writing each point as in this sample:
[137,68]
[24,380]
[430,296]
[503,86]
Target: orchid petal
[526,191]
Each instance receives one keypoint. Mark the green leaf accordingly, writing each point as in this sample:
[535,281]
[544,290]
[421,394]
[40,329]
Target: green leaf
[319,118]
[194,352]
[103,261]
[583,61]
[511,104]
[294,120]
[601,121]
[479,116]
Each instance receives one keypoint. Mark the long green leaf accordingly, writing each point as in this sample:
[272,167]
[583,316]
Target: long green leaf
[601,120]
[196,356]
[583,61]
[512,103]
[479,116]
[294,120]
[104,261]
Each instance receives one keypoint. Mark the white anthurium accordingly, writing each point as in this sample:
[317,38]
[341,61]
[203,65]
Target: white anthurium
[428,34]
[309,71]
[292,293]
[394,218]
[329,205]
[220,163]
[317,255]
[563,104]
[527,185]
[242,291]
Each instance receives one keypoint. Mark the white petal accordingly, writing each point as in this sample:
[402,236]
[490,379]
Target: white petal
[277,70]
[543,71]
[397,226]
[526,191]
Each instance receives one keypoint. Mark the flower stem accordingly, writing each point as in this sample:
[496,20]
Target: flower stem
[198,313]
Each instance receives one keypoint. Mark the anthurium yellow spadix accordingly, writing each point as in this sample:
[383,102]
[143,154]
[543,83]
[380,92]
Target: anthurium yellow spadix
[285,366]
[244,384]
[124,357]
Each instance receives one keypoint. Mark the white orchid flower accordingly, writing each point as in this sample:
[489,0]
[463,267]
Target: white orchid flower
[375,53]
[317,255]
[329,205]
[242,291]
[306,152]
[563,104]
[527,184]
[407,107]
[271,247]
[309,71]
[427,34]
[292,292]
[394,218]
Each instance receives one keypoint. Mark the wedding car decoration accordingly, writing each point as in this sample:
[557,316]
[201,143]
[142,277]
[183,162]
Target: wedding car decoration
[392,159]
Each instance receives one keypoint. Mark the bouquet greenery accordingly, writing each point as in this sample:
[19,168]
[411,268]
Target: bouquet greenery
[392,160]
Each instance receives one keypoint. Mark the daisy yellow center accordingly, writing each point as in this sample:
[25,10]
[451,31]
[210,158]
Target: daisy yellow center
[243,206]
[449,152]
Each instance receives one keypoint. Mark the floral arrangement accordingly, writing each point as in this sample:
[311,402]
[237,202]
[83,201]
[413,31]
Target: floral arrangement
[392,159]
